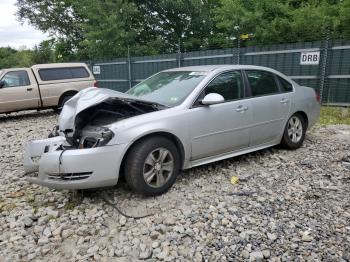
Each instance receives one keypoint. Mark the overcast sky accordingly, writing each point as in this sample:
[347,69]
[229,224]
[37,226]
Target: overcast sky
[12,33]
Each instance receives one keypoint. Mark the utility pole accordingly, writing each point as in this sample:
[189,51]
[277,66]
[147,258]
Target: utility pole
[129,68]
[179,52]
[236,28]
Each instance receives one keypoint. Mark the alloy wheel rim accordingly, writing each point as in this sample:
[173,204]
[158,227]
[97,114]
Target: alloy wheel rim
[158,167]
[295,129]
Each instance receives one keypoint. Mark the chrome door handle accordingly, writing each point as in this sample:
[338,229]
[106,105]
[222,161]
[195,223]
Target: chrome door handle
[29,89]
[241,108]
[284,101]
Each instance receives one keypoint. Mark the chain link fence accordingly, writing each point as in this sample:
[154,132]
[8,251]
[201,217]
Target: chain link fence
[322,65]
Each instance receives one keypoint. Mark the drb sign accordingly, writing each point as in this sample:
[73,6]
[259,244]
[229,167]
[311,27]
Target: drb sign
[310,58]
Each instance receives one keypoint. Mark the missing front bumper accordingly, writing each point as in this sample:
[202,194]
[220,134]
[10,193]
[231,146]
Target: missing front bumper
[74,168]
[35,149]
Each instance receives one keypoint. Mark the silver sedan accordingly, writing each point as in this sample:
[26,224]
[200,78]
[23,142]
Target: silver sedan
[176,119]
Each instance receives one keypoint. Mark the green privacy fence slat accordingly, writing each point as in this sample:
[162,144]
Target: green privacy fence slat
[121,73]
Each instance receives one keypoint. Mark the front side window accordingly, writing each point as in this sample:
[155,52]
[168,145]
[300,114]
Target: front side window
[16,78]
[228,84]
[261,82]
[49,74]
[168,88]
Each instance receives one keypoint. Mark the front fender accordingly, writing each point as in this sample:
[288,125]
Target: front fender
[169,126]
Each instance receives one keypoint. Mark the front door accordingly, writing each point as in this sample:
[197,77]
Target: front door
[18,93]
[224,127]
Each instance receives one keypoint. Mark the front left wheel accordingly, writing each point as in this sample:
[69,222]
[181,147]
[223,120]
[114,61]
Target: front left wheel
[152,166]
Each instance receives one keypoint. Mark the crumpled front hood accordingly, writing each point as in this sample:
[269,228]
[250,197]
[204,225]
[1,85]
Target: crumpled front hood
[85,99]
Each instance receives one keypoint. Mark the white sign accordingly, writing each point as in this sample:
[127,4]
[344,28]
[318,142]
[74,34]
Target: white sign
[310,58]
[96,70]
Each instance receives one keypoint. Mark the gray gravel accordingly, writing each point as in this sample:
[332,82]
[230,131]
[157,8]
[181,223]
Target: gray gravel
[286,206]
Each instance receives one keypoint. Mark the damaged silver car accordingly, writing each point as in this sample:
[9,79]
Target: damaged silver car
[176,119]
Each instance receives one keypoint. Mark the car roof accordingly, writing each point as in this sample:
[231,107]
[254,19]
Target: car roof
[208,68]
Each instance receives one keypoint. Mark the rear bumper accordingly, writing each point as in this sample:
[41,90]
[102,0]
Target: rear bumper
[314,114]
[72,169]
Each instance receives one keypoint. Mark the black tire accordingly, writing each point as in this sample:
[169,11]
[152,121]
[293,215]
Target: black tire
[135,165]
[62,101]
[287,139]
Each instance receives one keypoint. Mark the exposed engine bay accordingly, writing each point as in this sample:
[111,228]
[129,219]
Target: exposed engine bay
[91,124]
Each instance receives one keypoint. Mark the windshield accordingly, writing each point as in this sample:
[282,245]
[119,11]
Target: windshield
[168,88]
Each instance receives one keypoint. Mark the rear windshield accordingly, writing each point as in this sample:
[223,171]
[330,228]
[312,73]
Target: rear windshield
[49,74]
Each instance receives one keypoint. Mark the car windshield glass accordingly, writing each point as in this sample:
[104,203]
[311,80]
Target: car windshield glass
[168,88]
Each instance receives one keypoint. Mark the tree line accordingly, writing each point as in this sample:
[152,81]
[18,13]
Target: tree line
[84,30]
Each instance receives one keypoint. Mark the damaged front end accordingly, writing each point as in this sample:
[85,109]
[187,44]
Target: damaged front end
[80,152]
[91,127]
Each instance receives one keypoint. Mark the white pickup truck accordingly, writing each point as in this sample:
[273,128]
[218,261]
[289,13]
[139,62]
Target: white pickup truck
[42,86]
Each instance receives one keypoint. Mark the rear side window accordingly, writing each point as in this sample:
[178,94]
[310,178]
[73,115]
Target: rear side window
[285,85]
[262,82]
[16,78]
[49,74]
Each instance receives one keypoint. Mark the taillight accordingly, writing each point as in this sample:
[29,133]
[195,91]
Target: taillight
[95,84]
[317,96]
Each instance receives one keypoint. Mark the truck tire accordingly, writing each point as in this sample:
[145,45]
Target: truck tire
[64,98]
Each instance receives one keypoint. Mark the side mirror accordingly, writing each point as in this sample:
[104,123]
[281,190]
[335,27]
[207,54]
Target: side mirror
[2,83]
[212,99]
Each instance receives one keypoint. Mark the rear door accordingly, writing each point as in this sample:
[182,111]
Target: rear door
[19,92]
[270,107]
[224,127]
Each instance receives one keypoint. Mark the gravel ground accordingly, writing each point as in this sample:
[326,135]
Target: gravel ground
[286,205]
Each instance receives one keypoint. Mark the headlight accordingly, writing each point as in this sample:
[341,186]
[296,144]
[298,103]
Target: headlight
[96,139]
[106,136]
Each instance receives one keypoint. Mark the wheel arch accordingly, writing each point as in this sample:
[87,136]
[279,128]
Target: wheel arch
[177,142]
[304,115]
[66,93]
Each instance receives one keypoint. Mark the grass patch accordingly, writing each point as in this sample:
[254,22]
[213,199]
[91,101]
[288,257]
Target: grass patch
[50,217]
[331,115]
[70,205]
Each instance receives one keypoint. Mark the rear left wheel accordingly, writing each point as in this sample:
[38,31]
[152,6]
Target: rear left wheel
[294,132]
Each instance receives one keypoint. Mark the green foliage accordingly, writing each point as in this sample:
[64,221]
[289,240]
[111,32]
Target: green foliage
[58,18]
[42,53]
[83,30]
[110,27]
[12,58]
[187,22]
[7,57]
[344,17]
[281,21]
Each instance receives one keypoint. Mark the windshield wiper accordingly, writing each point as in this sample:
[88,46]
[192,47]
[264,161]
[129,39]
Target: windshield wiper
[159,106]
